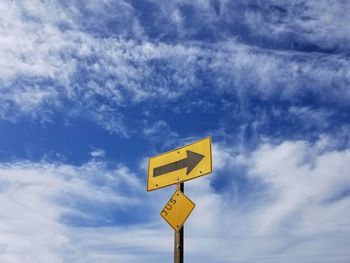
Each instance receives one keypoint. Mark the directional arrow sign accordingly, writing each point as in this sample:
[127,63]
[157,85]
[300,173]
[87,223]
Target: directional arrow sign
[180,165]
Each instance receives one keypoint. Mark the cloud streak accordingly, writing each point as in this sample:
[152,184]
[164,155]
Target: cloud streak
[54,65]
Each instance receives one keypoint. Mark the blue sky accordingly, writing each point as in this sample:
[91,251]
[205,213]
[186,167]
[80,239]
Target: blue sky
[89,90]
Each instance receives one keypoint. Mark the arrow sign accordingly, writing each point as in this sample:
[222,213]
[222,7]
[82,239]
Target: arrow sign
[179,165]
[190,162]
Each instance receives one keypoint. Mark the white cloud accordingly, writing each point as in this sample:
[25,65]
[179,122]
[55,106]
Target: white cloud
[33,48]
[297,24]
[51,65]
[321,23]
[35,197]
[55,59]
[301,178]
[97,153]
[300,209]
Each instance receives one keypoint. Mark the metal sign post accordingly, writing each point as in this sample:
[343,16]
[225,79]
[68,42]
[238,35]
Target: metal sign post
[179,235]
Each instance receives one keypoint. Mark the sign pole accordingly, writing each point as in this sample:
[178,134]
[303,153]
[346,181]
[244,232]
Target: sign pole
[179,235]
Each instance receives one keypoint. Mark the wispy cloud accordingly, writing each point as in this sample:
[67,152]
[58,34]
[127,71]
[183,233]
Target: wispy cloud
[59,61]
[95,153]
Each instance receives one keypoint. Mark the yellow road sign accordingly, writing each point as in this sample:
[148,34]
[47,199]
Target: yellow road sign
[180,165]
[177,210]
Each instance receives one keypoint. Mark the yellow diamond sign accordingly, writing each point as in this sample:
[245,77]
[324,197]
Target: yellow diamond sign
[177,210]
[180,165]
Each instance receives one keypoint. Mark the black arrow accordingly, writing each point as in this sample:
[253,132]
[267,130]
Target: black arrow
[190,162]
